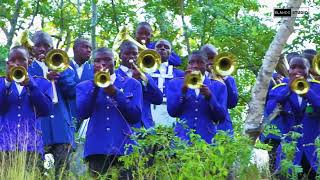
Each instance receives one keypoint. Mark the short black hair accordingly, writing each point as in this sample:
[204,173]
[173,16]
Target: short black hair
[198,53]
[126,44]
[41,35]
[103,50]
[19,47]
[309,51]
[301,58]
[291,55]
[79,40]
[144,24]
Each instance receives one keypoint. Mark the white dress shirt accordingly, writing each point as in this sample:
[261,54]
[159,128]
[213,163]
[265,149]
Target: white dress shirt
[126,70]
[79,69]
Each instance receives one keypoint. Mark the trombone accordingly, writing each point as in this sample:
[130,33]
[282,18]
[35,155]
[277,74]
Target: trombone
[18,73]
[102,78]
[56,60]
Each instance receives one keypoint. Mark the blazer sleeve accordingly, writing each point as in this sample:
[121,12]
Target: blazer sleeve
[276,96]
[41,101]
[151,92]
[232,92]
[130,106]
[86,97]
[67,84]
[218,110]
[176,100]
[3,97]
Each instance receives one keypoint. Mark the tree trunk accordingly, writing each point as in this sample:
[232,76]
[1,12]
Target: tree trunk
[256,106]
[13,23]
[185,28]
[93,25]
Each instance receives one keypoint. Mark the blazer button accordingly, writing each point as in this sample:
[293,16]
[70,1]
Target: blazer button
[19,97]
[52,116]
[195,118]
[108,118]
[18,125]
[196,101]
[196,109]
[19,107]
[108,107]
[19,115]
[108,129]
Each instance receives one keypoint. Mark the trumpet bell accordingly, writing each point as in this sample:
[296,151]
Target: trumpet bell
[149,61]
[300,86]
[316,63]
[102,78]
[18,74]
[194,80]
[57,60]
[224,64]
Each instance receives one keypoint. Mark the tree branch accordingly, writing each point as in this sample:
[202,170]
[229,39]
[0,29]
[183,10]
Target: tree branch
[35,13]
[13,23]
[253,124]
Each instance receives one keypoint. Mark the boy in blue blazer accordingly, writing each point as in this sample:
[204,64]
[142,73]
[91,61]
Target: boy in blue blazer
[143,36]
[151,92]
[58,128]
[112,111]
[162,77]
[201,108]
[298,110]
[21,104]
[230,86]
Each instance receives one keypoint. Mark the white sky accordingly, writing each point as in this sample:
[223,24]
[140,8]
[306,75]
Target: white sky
[271,21]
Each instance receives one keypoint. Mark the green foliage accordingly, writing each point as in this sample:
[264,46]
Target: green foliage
[160,154]
[3,56]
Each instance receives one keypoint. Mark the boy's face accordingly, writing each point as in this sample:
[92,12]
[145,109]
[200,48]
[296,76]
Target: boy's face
[211,55]
[104,60]
[83,51]
[164,49]
[143,33]
[197,63]
[41,48]
[298,68]
[129,53]
[18,57]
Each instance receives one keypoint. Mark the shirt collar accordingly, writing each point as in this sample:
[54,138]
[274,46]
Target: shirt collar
[165,64]
[76,64]
[125,69]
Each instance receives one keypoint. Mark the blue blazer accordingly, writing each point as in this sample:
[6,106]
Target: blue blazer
[151,95]
[110,117]
[292,115]
[58,127]
[87,74]
[197,112]
[20,128]
[174,59]
[231,92]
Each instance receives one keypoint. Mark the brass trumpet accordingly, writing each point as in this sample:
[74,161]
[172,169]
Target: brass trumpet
[102,78]
[194,80]
[224,64]
[18,74]
[316,63]
[57,60]
[300,86]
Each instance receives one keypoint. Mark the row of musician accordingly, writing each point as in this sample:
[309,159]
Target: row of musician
[37,115]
